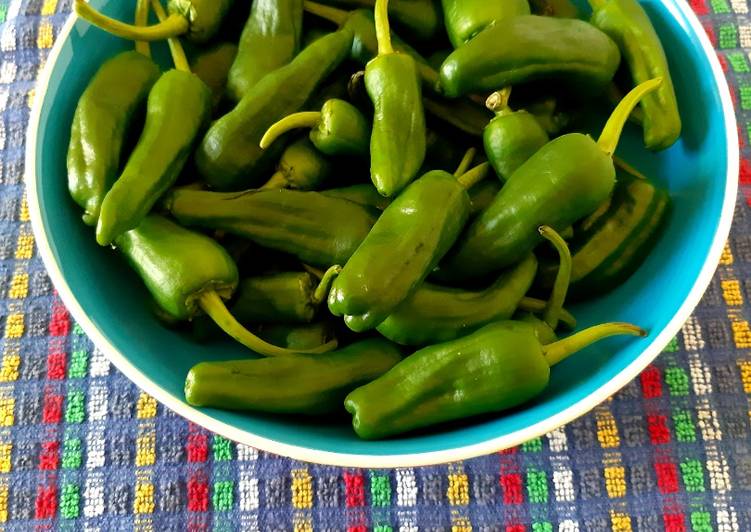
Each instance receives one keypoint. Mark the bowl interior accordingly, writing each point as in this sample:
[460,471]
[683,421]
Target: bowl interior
[110,299]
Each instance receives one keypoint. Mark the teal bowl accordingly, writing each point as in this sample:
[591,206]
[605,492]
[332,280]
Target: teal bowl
[109,302]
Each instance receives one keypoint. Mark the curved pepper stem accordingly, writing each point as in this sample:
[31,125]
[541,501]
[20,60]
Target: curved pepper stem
[469,156]
[308,119]
[214,306]
[172,26]
[142,18]
[626,167]
[175,48]
[552,314]
[537,306]
[611,133]
[332,14]
[321,292]
[562,349]
[475,175]
[498,102]
[383,28]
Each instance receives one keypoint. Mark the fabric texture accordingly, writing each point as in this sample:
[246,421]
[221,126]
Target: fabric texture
[81,448]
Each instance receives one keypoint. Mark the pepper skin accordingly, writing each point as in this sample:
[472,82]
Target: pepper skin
[626,22]
[498,367]
[565,181]
[526,48]
[318,229]
[301,167]
[271,39]
[363,194]
[310,385]
[230,157]
[103,115]
[466,18]
[212,67]
[554,8]
[511,138]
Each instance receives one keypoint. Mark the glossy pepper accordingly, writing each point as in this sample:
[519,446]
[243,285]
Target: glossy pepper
[178,107]
[229,157]
[212,67]
[565,181]
[363,194]
[397,143]
[498,367]
[186,272]
[512,137]
[104,113]
[339,128]
[626,22]
[301,167]
[318,229]
[310,385]
[526,48]
[555,8]
[466,18]
[271,39]
[611,244]
[304,336]
[405,244]
[198,20]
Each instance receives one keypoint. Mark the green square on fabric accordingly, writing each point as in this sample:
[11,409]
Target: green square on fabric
[738,62]
[72,455]
[720,6]
[677,380]
[75,411]
[383,528]
[223,498]
[701,522]
[542,526]
[380,490]
[537,486]
[532,446]
[745,92]
[69,501]
[79,364]
[728,37]
[672,346]
[693,475]
[685,430]
[222,449]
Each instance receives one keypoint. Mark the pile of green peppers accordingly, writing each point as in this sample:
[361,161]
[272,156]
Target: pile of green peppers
[386,234]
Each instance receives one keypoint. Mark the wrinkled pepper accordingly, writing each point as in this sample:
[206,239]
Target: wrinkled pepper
[186,273]
[198,20]
[212,67]
[230,157]
[498,367]
[318,229]
[466,18]
[310,385]
[626,22]
[527,48]
[271,39]
[565,181]
[363,194]
[339,128]
[301,167]
[512,137]
[178,107]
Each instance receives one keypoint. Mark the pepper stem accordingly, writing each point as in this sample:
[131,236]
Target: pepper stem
[142,18]
[611,133]
[308,119]
[630,170]
[383,28]
[332,14]
[498,101]
[322,290]
[469,156]
[276,182]
[172,26]
[213,305]
[562,349]
[175,48]
[537,306]
[475,175]
[552,312]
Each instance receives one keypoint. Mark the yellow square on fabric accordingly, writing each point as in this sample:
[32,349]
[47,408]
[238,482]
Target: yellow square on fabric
[607,430]
[727,255]
[458,490]
[49,7]
[25,246]
[731,292]
[146,406]
[146,449]
[14,326]
[144,500]
[620,522]
[615,482]
[745,367]
[6,411]
[45,37]
[3,504]
[302,489]
[19,286]
[10,364]
[302,525]
[5,451]
[741,334]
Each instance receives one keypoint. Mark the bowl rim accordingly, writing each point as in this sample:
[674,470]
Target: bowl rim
[677,9]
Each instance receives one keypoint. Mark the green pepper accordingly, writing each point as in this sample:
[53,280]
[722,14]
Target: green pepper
[230,156]
[526,48]
[511,138]
[397,144]
[301,167]
[318,229]
[565,181]
[271,39]
[178,107]
[307,336]
[339,128]
[555,8]
[310,385]
[405,244]
[483,194]
[212,67]
[612,243]
[198,20]
[466,18]
[363,194]
[187,272]
[626,22]
[501,366]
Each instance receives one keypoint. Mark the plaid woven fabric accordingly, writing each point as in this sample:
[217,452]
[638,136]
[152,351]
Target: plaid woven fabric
[82,448]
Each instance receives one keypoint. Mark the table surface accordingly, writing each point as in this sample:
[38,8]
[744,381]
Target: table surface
[83,448]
